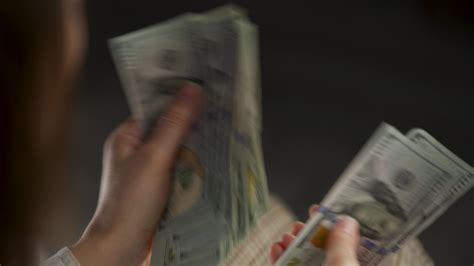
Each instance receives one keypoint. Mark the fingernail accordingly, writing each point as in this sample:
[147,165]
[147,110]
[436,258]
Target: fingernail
[348,225]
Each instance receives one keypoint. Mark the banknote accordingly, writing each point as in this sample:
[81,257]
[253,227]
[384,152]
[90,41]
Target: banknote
[220,185]
[395,187]
[180,244]
[444,195]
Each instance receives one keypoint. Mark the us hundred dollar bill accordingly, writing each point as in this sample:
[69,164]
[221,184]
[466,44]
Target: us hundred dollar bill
[395,187]
[220,185]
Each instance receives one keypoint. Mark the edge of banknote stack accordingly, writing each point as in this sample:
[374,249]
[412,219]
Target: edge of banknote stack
[220,186]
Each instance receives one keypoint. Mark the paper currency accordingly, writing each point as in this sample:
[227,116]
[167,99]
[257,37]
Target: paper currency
[395,187]
[220,186]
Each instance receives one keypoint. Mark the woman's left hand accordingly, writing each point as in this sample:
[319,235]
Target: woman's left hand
[135,186]
[341,247]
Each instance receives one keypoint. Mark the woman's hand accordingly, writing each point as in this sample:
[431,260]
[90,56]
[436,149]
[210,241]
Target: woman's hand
[341,248]
[135,186]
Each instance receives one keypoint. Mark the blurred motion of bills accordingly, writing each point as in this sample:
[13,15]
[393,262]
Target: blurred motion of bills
[220,186]
[395,187]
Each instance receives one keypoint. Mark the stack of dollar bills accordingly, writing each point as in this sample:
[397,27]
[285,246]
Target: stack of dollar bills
[220,186]
[395,187]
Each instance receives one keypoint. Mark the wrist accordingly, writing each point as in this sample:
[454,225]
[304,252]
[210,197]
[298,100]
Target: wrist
[103,245]
[93,250]
[98,246]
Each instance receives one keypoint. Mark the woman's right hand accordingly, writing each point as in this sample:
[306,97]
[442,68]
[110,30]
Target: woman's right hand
[341,248]
[135,185]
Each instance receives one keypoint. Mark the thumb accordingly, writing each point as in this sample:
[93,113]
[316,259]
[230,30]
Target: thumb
[341,249]
[173,126]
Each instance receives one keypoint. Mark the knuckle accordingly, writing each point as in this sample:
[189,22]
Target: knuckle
[111,141]
[155,160]
[342,240]
[114,142]
[176,117]
[333,261]
[339,260]
[340,235]
[126,133]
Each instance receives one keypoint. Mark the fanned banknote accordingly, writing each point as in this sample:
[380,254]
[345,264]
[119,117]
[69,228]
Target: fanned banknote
[395,187]
[220,186]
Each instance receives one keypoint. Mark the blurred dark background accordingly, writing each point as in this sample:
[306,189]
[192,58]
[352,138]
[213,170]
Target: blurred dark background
[332,71]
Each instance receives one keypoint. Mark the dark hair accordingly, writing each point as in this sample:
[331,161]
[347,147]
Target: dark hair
[32,100]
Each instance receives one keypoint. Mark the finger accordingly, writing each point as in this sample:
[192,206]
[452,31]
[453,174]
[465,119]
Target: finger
[173,126]
[297,226]
[341,249]
[286,240]
[123,140]
[276,252]
[313,209]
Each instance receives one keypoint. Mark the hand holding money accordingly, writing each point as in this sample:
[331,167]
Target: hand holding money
[395,187]
[342,242]
[219,180]
[135,185]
